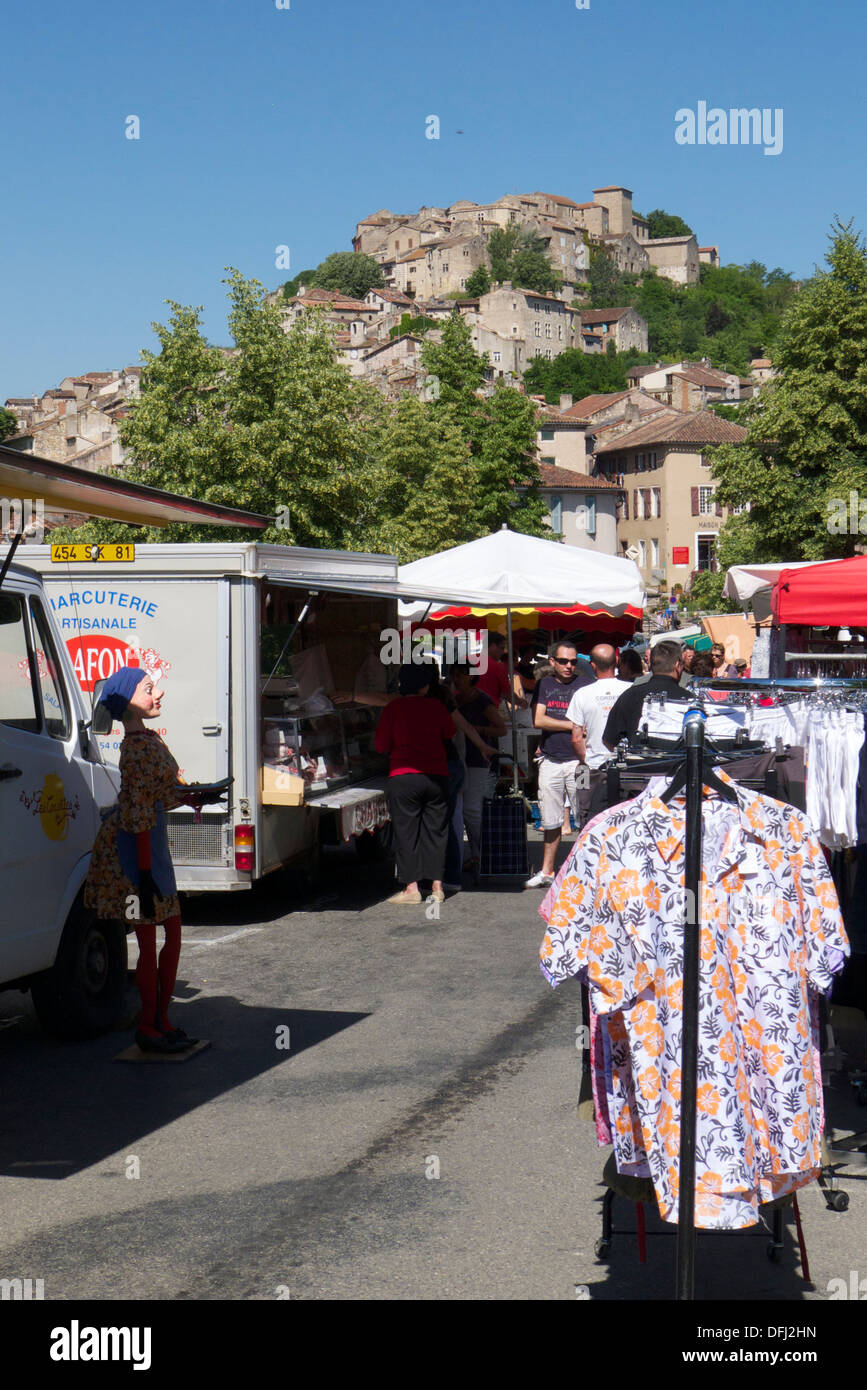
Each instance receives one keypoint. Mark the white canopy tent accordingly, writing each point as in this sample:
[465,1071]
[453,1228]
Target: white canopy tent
[522,568]
[535,578]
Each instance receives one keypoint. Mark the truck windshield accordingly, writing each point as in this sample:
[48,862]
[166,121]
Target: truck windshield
[18,700]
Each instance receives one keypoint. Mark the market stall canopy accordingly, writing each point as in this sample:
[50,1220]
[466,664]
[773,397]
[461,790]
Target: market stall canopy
[752,585]
[542,582]
[64,488]
[830,593]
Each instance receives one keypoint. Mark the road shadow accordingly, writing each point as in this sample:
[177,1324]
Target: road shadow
[68,1106]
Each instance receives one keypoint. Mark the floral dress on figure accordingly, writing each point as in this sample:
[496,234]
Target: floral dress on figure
[135,832]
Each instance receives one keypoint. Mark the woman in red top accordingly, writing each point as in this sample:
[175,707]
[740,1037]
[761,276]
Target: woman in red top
[413,730]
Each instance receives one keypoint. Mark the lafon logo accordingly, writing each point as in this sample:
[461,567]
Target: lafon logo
[96,657]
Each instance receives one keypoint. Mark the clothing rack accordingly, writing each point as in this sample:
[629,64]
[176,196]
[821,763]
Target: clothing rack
[700,755]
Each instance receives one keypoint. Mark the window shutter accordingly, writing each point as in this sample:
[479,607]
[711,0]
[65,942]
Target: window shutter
[646,491]
[625,504]
[694,496]
[718,509]
[635,502]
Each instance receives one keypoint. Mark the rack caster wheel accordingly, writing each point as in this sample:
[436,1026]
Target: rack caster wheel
[601,1248]
[837,1201]
[774,1252]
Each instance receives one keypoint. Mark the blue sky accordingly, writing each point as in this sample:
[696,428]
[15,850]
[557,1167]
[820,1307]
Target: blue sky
[263,127]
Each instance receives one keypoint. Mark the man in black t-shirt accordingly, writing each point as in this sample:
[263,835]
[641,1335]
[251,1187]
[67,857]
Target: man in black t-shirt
[666,668]
[559,768]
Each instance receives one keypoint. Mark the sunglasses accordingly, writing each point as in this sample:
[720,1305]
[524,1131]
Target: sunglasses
[565,660]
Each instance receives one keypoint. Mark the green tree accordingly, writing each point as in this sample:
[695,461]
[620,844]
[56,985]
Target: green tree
[350,272]
[605,283]
[478,283]
[519,254]
[807,430]
[278,427]
[291,287]
[662,224]
[458,368]
[8,424]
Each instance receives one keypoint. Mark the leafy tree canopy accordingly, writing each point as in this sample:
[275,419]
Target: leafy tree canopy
[662,224]
[278,426]
[806,448]
[478,283]
[8,424]
[350,272]
[518,254]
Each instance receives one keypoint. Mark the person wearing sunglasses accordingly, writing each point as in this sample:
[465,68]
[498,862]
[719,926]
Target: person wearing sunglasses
[558,766]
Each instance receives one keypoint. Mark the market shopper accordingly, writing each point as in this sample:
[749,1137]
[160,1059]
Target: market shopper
[666,667]
[558,766]
[131,866]
[480,711]
[588,714]
[494,681]
[414,729]
[629,665]
[722,668]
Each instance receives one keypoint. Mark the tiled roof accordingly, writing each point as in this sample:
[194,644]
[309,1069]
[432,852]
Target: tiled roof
[678,427]
[669,240]
[555,198]
[588,405]
[416,255]
[704,376]
[591,316]
[549,415]
[19,400]
[551,476]
[588,205]
[613,188]
[606,426]
[708,248]
[761,362]
[392,296]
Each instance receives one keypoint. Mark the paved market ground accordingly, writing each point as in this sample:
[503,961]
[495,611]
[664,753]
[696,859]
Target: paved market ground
[416,1048]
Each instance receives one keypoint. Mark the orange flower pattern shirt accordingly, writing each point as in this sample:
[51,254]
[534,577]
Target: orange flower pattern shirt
[772,938]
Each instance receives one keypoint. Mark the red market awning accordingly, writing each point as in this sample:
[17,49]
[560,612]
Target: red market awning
[574,617]
[823,595]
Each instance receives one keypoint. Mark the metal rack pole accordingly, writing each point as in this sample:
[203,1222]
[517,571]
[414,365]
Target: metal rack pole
[693,733]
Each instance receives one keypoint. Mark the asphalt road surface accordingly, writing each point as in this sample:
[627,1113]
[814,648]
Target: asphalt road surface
[387,1110]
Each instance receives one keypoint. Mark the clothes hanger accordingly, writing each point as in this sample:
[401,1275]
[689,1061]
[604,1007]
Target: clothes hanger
[709,781]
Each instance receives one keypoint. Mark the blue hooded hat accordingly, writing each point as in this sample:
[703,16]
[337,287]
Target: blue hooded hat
[120,688]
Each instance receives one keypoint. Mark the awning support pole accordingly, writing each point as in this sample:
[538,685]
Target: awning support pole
[512,707]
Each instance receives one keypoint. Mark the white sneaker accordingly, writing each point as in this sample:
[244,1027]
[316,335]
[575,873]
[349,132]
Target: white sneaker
[540,880]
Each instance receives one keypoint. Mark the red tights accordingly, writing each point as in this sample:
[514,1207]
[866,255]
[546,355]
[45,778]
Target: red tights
[156,982]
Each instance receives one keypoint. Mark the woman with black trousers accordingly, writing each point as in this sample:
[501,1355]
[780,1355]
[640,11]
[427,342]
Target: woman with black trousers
[413,729]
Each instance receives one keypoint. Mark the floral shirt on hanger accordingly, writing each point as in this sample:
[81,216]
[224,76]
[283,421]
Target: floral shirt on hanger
[771,939]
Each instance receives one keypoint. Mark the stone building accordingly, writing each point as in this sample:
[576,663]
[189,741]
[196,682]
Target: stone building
[675,257]
[669,516]
[582,511]
[624,327]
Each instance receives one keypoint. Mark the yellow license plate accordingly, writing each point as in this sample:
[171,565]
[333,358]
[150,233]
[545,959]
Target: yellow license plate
[92,554]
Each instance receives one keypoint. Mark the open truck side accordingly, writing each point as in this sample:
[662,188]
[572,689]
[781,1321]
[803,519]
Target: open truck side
[248,642]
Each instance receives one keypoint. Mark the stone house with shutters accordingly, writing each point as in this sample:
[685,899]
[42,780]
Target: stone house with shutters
[669,515]
[624,327]
[582,511]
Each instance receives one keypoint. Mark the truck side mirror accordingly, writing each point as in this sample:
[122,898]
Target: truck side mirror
[102,719]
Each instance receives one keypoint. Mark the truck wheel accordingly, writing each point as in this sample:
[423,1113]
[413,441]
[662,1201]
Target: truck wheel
[83,993]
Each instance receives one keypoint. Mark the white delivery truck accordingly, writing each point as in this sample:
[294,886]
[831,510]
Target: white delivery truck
[54,784]
[260,651]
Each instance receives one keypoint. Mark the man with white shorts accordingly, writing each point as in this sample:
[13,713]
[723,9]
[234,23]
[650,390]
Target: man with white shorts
[588,714]
[560,772]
